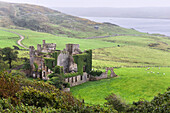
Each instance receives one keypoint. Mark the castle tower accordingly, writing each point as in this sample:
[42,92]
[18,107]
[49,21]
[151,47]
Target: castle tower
[32,53]
[43,43]
[38,47]
[71,48]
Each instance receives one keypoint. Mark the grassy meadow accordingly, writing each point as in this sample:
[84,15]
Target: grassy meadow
[33,38]
[8,39]
[131,85]
[129,56]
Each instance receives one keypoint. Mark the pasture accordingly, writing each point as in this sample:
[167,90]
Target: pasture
[33,38]
[131,85]
[129,56]
[8,39]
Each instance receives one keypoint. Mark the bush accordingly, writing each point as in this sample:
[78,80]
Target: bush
[7,107]
[96,73]
[8,85]
[27,65]
[58,69]
[67,75]
[160,104]
[57,81]
[116,102]
[32,97]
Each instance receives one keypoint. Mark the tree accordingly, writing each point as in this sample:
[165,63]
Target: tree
[9,55]
[0,55]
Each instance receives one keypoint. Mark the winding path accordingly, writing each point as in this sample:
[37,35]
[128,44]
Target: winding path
[20,40]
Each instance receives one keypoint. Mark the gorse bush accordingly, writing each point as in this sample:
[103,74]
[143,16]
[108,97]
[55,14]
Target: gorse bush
[8,85]
[32,97]
[38,96]
[18,94]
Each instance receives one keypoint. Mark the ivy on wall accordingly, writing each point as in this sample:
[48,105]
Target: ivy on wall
[88,66]
[55,55]
[36,67]
[82,60]
[58,70]
[49,62]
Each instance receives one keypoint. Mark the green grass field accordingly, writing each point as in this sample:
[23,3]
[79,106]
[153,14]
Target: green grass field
[35,38]
[8,39]
[129,56]
[131,85]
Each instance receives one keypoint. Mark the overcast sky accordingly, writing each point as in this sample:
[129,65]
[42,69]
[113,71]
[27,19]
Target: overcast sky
[96,3]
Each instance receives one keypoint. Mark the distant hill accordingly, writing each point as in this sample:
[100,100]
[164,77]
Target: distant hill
[143,12]
[43,19]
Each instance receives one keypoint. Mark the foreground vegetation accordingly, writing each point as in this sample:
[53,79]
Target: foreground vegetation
[131,85]
[18,94]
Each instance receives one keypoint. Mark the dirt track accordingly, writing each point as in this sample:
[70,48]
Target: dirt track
[20,40]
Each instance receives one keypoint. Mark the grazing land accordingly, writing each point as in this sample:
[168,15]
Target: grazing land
[129,56]
[132,84]
[33,38]
[8,39]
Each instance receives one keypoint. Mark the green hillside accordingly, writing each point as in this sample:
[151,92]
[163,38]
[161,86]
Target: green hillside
[42,19]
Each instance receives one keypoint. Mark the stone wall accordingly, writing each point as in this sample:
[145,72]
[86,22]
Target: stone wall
[63,60]
[77,80]
[104,75]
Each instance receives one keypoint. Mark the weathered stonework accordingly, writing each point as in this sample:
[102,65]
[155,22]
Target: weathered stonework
[77,80]
[40,66]
[64,59]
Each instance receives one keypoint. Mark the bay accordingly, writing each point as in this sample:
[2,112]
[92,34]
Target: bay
[161,26]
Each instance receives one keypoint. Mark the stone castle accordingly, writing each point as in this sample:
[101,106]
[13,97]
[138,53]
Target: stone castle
[47,60]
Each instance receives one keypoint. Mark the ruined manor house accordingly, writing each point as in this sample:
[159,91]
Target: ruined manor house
[47,60]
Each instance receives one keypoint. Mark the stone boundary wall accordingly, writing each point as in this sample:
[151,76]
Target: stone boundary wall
[104,75]
[77,80]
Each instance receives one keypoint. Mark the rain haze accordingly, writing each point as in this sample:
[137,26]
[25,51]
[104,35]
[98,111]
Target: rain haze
[141,15]
[96,3]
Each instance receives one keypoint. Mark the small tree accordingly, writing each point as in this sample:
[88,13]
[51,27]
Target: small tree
[0,55]
[9,55]
[116,103]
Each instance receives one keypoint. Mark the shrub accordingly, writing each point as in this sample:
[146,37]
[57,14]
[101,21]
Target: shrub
[160,104]
[8,85]
[58,69]
[57,81]
[96,73]
[116,102]
[32,97]
[27,65]
[71,74]
[7,107]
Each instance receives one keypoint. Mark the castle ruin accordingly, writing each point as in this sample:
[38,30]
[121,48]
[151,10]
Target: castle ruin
[47,60]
